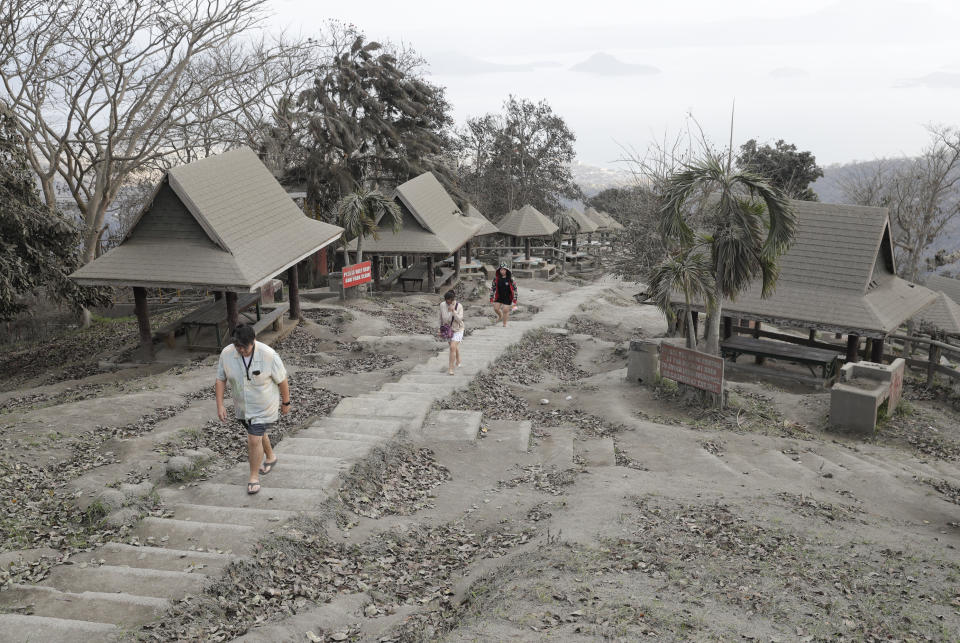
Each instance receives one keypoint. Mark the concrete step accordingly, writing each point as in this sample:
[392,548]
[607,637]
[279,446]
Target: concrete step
[231,515]
[346,449]
[287,474]
[332,464]
[556,450]
[371,426]
[330,434]
[131,580]
[235,495]
[596,452]
[119,608]
[510,431]
[421,377]
[184,534]
[162,558]
[450,425]
[442,390]
[21,628]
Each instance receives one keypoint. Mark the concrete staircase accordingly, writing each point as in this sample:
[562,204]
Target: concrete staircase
[119,587]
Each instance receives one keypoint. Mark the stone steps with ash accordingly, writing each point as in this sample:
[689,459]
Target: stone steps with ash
[117,608]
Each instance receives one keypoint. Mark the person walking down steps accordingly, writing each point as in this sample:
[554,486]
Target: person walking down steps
[503,293]
[260,391]
[452,326]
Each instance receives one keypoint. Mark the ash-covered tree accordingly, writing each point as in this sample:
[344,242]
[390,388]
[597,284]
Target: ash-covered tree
[520,156]
[371,119]
[637,207]
[784,167]
[39,247]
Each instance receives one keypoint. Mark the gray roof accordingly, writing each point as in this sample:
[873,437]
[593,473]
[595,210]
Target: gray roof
[943,314]
[485,226]
[603,225]
[585,224]
[222,222]
[948,285]
[838,275]
[432,222]
[527,222]
[612,223]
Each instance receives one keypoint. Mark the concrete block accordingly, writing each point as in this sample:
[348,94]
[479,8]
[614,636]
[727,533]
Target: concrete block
[596,452]
[143,582]
[23,628]
[450,425]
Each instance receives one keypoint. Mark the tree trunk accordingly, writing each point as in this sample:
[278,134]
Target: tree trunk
[713,325]
[293,285]
[360,249]
[691,330]
[431,278]
[468,255]
[143,321]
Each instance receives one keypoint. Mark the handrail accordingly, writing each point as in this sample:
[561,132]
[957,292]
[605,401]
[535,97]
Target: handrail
[924,340]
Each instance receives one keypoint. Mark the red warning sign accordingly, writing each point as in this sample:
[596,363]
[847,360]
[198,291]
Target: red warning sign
[358,273]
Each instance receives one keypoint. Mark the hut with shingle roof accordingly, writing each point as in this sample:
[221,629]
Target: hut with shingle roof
[943,315]
[839,276]
[432,227]
[584,225]
[486,228]
[222,223]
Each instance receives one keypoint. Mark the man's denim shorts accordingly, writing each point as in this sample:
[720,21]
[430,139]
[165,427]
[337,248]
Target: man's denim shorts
[256,429]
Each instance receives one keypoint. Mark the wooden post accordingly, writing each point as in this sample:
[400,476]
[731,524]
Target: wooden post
[933,360]
[853,348]
[143,321]
[876,353]
[526,247]
[233,315]
[431,278]
[696,321]
[813,336]
[573,244]
[727,327]
[404,262]
[217,295]
[469,254]
[375,269]
[322,260]
[293,285]
[756,335]
[456,264]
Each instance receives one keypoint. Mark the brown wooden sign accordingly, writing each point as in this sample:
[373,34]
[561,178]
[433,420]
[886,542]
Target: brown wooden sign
[691,367]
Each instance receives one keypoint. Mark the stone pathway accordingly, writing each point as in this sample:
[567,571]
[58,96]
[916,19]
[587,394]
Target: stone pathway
[216,521]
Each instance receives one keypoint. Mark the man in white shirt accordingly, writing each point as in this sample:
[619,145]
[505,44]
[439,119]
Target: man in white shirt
[258,382]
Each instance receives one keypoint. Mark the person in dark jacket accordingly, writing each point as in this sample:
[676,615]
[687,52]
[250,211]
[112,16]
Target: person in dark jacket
[503,293]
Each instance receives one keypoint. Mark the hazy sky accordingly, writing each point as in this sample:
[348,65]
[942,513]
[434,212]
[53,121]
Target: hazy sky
[848,80]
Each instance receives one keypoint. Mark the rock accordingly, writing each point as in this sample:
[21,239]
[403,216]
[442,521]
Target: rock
[122,517]
[198,456]
[556,331]
[370,611]
[179,465]
[110,499]
[544,401]
[133,491]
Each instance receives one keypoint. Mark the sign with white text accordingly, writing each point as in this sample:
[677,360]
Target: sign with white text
[358,273]
[687,366]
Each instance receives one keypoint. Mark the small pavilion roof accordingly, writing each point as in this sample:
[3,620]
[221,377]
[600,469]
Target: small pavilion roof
[222,222]
[839,275]
[612,223]
[432,222]
[527,222]
[486,227]
[603,225]
[948,285]
[585,225]
[943,314]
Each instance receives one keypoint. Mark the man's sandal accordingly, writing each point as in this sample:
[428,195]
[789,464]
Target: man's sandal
[267,467]
[250,488]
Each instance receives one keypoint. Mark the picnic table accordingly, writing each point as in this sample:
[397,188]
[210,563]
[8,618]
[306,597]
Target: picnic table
[415,273]
[532,261]
[810,357]
[214,315]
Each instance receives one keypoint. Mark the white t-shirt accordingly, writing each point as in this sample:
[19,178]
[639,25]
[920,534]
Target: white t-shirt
[257,398]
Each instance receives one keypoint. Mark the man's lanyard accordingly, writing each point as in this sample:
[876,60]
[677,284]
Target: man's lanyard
[246,364]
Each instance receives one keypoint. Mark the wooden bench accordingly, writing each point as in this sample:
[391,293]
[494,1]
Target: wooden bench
[214,316]
[810,357]
[272,318]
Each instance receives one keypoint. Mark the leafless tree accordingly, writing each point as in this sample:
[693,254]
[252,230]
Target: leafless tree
[922,194]
[103,90]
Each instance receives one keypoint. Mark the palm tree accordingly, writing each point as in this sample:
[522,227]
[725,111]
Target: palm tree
[688,271]
[360,212]
[747,224]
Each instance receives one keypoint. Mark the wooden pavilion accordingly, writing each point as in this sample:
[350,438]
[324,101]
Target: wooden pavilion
[527,223]
[432,228]
[839,277]
[943,315]
[584,224]
[222,223]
